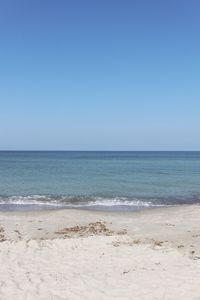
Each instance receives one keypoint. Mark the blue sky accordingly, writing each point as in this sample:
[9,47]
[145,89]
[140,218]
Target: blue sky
[100,75]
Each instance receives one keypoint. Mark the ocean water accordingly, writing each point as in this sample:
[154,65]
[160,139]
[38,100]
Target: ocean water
[98,180]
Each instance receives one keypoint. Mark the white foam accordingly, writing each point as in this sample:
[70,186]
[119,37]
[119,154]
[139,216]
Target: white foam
[43,200]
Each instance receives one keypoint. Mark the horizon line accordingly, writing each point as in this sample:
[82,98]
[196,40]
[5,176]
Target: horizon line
[43,150]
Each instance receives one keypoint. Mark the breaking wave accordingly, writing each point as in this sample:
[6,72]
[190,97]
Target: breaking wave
[76,201]
[107,203]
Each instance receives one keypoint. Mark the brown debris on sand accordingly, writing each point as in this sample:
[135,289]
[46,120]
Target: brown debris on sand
[2,236]
[157,243]
[96,228]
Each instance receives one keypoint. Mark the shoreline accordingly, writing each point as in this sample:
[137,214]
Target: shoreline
[143,209]
[82,254]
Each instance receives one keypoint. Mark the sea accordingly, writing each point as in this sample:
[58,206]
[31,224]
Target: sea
[98,180]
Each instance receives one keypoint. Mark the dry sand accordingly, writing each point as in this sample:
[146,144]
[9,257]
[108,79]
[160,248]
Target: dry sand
[74,254]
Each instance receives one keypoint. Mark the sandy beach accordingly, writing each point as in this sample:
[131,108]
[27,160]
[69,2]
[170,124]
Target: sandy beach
[77,254]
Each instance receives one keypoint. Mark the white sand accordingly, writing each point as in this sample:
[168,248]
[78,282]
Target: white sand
[154,254]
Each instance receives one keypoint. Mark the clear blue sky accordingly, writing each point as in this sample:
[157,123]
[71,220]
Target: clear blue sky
[95,75]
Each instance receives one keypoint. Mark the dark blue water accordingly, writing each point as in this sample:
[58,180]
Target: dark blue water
[98,180]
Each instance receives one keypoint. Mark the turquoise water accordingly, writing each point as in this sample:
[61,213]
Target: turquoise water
[98,180]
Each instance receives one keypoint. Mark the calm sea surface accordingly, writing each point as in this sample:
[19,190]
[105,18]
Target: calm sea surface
[98,180]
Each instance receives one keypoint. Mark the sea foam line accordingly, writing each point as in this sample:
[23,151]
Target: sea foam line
[77,201]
